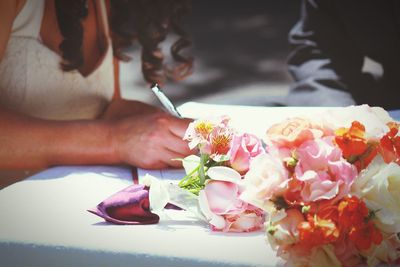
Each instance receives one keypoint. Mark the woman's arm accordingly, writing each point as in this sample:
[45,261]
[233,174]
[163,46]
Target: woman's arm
[149,140]
[31,143]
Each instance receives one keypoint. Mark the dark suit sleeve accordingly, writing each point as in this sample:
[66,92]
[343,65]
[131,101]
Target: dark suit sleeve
[322,59]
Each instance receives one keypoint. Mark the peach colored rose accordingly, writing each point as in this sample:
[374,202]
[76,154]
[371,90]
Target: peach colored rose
[244,148]
[293,132]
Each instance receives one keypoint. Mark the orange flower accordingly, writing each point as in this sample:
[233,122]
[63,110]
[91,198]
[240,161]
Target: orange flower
[354,219]
[317,231]
[293,193]
[352,212]
[351,140]
[355,148]
[364,236]
[390,144]
[325,209]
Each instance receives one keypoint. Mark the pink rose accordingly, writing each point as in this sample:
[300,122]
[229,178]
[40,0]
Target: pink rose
[322,169]
[248,221]
[294,131]
[220,203]
[244,148]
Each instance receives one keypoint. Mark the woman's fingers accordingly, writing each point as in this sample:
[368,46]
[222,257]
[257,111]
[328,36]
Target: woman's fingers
[176,144]
[179,126]
[151,141]
[171,158]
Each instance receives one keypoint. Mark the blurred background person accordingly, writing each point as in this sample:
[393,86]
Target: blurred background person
[346,52]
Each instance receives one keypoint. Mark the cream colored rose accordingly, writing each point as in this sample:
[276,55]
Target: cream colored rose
[379,186]
[324,256]
[319,256]
[266,179]
[283,231]
[386,252]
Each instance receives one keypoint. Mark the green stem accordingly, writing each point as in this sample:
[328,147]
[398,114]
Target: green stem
[188,176]
[202,172]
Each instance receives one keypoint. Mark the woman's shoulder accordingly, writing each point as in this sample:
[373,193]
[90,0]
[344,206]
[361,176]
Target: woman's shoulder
[8,11]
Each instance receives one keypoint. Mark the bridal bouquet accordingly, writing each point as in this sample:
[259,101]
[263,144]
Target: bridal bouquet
[330,188]
[325,189]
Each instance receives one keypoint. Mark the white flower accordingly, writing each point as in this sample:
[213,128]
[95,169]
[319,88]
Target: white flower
[190,163]
[282,228]
[379,186]
[373,118]
[158,193]
[266,179]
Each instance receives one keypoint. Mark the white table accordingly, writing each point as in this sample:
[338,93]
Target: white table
[44,221]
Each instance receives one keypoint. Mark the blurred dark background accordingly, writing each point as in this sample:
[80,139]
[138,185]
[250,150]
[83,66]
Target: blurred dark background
[240,50]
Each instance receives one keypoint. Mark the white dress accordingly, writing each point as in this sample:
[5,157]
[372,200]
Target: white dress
[32,82]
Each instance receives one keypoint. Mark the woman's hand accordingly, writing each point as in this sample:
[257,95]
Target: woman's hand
[150,140]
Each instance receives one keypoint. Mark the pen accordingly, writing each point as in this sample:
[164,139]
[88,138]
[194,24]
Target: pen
[165,101]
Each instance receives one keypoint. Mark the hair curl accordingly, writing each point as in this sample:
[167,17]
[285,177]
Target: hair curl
[146,21]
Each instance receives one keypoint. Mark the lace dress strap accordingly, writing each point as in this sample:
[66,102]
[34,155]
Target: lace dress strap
[29,20]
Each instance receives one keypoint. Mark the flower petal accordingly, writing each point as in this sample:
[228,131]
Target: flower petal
[222,173]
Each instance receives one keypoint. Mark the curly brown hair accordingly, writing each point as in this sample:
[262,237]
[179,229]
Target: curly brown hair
[146,21]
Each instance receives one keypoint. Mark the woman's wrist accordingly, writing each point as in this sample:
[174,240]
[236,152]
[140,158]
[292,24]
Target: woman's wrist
[83,142]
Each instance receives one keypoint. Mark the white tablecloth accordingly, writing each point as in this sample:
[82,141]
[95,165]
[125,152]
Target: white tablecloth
[44,222]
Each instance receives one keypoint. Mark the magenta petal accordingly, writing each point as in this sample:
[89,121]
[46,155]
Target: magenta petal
[128,206]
